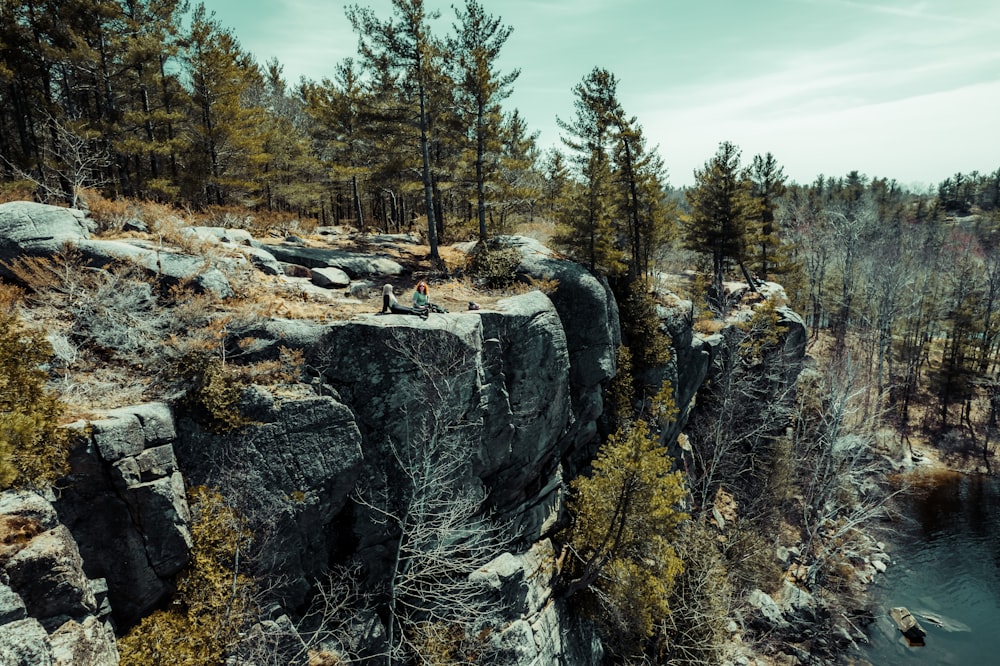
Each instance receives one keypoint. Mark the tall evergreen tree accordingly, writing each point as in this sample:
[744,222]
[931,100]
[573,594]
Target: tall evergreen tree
[589,220]
[721,205]
[479,38]
[765,252]
[342,117]
[405,44]
[228,152]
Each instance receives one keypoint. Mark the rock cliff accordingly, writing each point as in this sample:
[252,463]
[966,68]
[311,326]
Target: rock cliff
[523,380]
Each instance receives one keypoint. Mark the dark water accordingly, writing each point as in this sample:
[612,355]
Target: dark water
[946,565]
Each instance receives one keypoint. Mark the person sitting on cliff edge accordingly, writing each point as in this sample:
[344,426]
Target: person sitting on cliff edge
[422,300]
[390,304]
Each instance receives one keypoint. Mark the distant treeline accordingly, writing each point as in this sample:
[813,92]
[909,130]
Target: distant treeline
[153,99]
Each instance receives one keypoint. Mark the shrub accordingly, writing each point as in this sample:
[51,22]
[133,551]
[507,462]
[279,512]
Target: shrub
[494,264]
[625,518]
[213,602]
[18,190]
[110,215]
[694,632]
[650,346]
[33,448]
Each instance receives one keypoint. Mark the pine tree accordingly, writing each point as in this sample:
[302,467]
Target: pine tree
[721,205]
[591,233]
[228,154]
[766,253]
[479,38]
[404,45]
[625,517]
[517,185]
[342,117]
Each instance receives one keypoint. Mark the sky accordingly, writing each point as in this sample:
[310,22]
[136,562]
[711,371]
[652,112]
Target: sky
[900,89]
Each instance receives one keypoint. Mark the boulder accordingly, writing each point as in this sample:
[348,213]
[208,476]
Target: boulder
[125,503]
[86,643]
[330,278]
[908,625]
[28,506]
[11,606]
[25,643]
[355,264]
[172,266]
[219,234]
[263,260]
[769,616]
[49,613]
[33,229]
[292,270]
[47,574]
[798,606]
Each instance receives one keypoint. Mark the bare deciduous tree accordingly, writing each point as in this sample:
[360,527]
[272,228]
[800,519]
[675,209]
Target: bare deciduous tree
[73,160]
[434,507]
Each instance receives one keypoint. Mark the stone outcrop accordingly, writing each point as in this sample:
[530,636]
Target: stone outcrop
[50,611]
[522,380]
[290,473]
[502,374]
[125,504]
[37,230]
[589,316]
[541,630]
[355,264]
[31,229]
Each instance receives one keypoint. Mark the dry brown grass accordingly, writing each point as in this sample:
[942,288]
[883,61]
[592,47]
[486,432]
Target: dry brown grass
[709,326]
[19,190]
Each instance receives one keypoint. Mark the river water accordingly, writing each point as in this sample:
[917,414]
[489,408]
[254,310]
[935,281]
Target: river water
[946,571]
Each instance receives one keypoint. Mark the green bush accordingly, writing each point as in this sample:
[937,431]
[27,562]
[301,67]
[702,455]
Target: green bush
[650,346]
[495,264]
[33,448]
[214,600]
[625,519]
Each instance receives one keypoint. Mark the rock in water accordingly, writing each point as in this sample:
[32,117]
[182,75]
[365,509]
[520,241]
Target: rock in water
[907,624]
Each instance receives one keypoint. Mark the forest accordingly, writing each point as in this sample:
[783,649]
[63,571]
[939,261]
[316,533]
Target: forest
[155,100]
[105,102]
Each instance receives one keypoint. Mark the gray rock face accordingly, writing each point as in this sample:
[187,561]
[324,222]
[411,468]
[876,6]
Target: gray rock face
[125,505]
[506,382]
[542,630]
[355,264]
[262,260]
[48,609]
[219,234]
[331,278]
[172,266]
[28,228]
[25,643]
[290,475]
[796,333]
[87,643]
[48,576]
[589,315]
[689,365]
[11,606]
[526,398]
[270,335]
